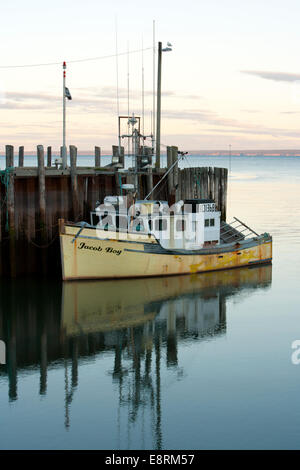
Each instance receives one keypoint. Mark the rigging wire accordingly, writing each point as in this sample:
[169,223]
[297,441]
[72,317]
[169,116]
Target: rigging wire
[47,64]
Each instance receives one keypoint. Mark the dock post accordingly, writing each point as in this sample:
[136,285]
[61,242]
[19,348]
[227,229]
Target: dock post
[179,189]
[198,183]
[175,170]
[49,156]
[210,183]
[10,201]
[117,182]
[42,206]
[1,255]
[42,185]
[193,181]
[169,164]
[224,174]
[64,158]
[150,181]
[97,157]
[74,181]
[21,156]
[205,189]
[216,187]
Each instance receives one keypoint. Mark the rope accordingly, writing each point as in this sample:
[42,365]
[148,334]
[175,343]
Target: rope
[5,180]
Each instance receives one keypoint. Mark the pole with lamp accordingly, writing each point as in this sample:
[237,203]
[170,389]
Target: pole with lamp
[158,106]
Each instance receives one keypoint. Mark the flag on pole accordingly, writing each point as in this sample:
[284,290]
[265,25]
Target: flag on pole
[67,93]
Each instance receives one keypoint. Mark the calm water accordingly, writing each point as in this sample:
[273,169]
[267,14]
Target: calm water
[199,362]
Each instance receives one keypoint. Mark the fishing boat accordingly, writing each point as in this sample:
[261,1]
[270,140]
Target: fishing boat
[157,241]
[128,237]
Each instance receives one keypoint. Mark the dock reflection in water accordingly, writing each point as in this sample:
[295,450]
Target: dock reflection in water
[142,322]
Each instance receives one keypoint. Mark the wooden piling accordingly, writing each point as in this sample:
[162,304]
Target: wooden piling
[10,201]
[150,181]
[223,193]
[118,182]
[97,157]
[186,184]
[74,182]
[169,164]
[205,182]
[42,235]
[49,156]
[216,187]
[63,166]
[1,247]
[210,183]
[42,186]
[29,208]
[175,169]
[198,183]
[21,156]
[179,189]
[9,154]
[193,183]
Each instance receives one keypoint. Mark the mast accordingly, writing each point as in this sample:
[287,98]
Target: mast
[153,93]
[157,162]
[64,148]
[117,82]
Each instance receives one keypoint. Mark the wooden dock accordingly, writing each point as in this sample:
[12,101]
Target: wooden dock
[34,198]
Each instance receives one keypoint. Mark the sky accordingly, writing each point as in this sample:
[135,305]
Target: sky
[232,78]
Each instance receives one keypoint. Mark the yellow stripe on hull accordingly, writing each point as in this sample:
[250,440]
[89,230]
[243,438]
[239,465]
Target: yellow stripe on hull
[92,258]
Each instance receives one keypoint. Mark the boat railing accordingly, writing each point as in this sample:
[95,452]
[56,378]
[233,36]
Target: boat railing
[236,231]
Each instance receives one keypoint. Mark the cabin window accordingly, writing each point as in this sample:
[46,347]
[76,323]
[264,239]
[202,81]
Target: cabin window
[180,225]
[212,222]
[121,221]
[206,223]
[106,221]
[161,225]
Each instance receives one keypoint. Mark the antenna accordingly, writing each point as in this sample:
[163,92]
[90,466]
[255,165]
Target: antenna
[153,111]
[117,73]
[143,92]
[128,140]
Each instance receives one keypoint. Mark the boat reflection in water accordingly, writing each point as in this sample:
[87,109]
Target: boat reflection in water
[144,322]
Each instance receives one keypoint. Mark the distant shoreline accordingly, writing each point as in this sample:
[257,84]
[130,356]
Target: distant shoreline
[200,153]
